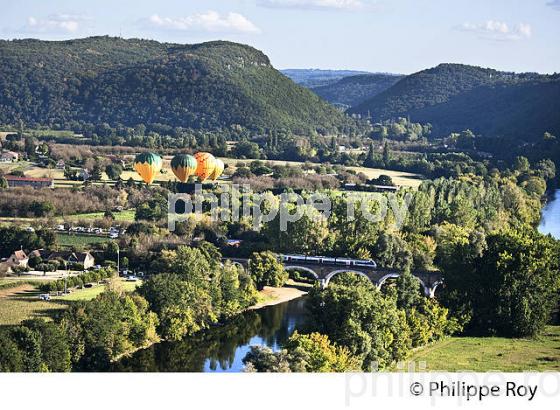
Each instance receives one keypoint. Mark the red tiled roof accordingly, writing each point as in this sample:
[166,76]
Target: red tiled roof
[26,179]
[20,255]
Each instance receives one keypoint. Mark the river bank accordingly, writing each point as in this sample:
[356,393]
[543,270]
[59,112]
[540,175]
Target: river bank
[274,296]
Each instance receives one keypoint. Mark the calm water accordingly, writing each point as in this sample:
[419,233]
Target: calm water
[551,217]
[222,349]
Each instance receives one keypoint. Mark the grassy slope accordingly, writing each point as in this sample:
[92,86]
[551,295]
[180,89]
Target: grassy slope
[482,354]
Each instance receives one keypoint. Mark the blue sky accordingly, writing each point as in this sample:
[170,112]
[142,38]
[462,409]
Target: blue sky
[400,36]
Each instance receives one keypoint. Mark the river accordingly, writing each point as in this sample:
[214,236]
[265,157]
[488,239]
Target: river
[550,222]
[222,348]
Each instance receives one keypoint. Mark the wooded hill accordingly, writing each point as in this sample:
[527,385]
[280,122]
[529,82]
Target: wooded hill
[455,97]
[355,89]
[211,85]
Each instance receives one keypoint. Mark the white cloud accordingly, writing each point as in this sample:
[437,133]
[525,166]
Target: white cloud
[347,5]
[209,21]
[555,4]
[498,30]
[55,23]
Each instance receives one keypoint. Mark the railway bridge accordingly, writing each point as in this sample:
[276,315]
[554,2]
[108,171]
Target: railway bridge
[324,272]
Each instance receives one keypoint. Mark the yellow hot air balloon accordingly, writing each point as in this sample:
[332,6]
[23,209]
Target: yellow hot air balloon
[205,165]
[148,166]
[183,166]
[218,169]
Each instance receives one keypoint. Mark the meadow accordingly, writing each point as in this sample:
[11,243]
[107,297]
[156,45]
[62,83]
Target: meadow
[22,302]
[485,354]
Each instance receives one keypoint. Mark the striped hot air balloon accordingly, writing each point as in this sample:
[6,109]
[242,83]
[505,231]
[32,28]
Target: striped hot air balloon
[206,163]
[218,170]
[148,166]
[183,166]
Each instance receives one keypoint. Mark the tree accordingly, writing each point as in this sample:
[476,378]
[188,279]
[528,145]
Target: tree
[114,171]
[96,172]
[11,358]
[408,294]
[370,161]
[267,270]
[312,353]
[510,288]
[386,154]
[55,352]
[361,319]
[247,149]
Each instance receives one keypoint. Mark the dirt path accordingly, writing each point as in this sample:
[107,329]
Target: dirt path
[274,296]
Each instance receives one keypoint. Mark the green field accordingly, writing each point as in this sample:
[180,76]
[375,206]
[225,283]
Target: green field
[64,239]
[126,215]
[23,302]
[484,354]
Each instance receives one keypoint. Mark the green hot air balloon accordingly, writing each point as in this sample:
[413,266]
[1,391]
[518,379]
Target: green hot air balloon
[148,166]
[183,166]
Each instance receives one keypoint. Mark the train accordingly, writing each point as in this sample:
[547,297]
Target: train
[324,260]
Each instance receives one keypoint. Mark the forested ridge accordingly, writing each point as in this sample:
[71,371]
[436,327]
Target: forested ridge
[355,89]
[128,82]
[489,102]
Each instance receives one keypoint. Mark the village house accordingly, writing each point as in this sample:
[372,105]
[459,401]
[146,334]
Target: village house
[14,182]
[18,259]
[84,258]
[60,164]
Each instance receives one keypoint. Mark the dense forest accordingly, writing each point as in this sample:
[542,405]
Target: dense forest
[355,89]
[129,82]
[454,97]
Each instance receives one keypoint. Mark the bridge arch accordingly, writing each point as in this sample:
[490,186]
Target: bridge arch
[427,291]
[302,268]
[435,286]
[336,272]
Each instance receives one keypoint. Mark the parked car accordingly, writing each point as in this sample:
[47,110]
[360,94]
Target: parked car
[44,296]
[131,278]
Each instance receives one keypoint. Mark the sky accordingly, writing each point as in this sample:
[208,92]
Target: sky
[397,36]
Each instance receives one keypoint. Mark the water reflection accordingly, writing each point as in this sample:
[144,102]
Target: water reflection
[221,349]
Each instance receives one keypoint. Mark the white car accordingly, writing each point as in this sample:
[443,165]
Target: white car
[45,296]
[113,235]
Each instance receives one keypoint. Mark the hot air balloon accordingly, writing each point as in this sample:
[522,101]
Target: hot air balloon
[218,169]
[183,166]
[205,165]
[148,165]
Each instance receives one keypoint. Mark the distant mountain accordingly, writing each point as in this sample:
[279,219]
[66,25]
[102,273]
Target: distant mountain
[355,89]
[454,97]
[214,85]
[313,77]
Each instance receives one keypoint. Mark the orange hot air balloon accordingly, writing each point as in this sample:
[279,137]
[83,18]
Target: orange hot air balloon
[205,165]
[218,169]
[148,166]
[183,166]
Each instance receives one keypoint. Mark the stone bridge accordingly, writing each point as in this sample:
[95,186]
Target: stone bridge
[323,273]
